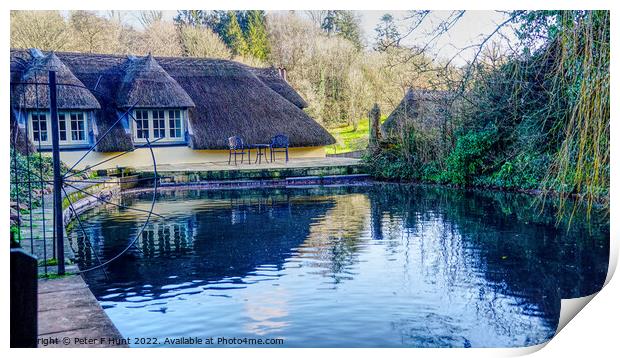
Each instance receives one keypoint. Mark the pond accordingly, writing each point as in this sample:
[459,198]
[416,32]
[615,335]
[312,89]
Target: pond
[382,265]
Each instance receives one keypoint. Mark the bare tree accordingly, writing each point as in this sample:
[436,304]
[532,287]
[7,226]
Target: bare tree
[117,16]
[291,38]
[46,30]
[317,17]
[92,33]
[161,38]
[202,42]
[417,19]
[148,17]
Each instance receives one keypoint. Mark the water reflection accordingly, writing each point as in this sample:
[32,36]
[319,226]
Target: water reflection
[381,265]
[267,312]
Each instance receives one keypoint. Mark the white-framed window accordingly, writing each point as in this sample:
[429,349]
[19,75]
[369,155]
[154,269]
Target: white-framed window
[78,127]
[159,124]
[142,124]
[62,127]
[72,128]
[39,128]
[175,124]
[163,125]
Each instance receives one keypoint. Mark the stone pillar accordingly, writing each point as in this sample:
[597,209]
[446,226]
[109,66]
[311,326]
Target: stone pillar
[374,116]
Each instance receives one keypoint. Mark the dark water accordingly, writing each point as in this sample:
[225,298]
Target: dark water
[380,266]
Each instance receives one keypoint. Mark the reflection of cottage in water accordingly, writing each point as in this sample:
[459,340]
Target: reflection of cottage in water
[203,240]
[166,238]
[160,237]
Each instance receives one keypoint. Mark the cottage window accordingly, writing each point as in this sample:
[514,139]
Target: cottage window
[39,128]
[174,123]
[161,125]
[142,124]
[71,128]
[78,127]
[62,127]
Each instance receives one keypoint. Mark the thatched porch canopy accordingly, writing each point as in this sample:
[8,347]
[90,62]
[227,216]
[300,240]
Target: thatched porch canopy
[222,98]
[424,106]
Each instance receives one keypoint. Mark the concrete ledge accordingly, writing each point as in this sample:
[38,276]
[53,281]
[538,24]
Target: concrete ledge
[353,154]
[330,178]
[256,174]
[286,182]
[219,171]
[69,316]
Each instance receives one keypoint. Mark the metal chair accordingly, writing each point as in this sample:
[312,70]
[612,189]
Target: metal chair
[279,144]
[236,147]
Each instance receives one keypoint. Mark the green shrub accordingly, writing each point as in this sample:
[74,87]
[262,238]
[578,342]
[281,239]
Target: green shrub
[389,164]
[467,159]
[431,173]
[526,171]
[29,169]
[16,236]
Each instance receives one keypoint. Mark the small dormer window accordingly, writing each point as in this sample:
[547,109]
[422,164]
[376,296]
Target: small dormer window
[72,128]
[161,125]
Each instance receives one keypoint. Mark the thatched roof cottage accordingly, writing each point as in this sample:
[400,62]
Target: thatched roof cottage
[187,106]
[427,108]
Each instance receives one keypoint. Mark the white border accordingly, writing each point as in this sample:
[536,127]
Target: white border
[594,331]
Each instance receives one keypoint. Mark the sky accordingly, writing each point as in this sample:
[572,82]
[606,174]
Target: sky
[470,29]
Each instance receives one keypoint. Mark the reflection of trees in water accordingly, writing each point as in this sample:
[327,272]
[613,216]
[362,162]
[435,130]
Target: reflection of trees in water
[437,331]
[335,238]
[501,226]
[502,240]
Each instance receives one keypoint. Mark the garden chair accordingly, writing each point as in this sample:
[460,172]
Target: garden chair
[279,144]
[237,147]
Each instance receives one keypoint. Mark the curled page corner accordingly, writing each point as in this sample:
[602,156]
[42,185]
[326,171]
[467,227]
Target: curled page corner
[523,351]
[570,307]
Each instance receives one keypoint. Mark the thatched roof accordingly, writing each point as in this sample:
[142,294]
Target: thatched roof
[147,85]
[417,105]
[228,98]
[272,78]
[33,92]
[232,100]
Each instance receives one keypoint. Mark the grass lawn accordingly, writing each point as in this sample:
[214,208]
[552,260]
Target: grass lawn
[348,139]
